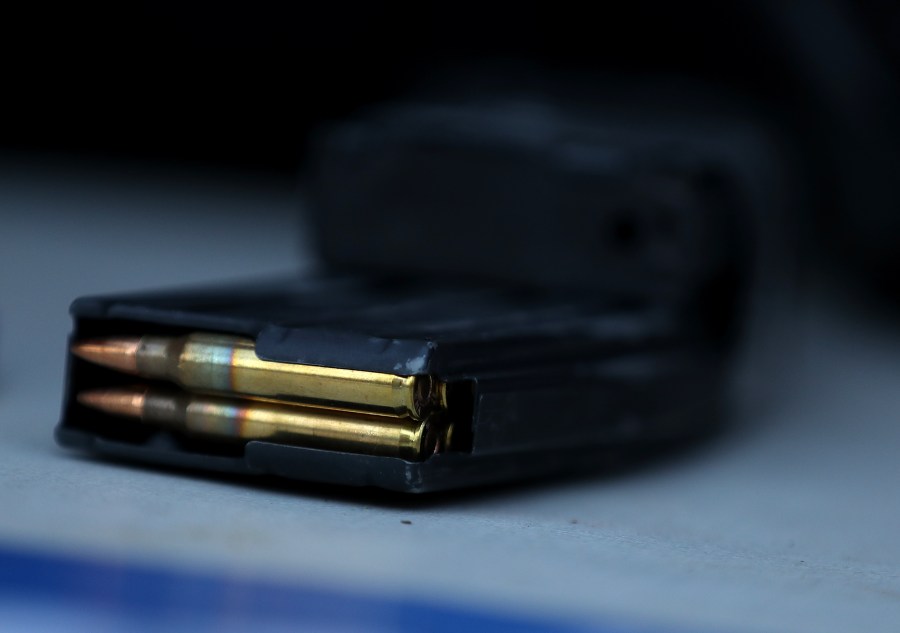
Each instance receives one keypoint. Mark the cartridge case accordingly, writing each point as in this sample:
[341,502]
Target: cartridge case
[228,365]
[245,420]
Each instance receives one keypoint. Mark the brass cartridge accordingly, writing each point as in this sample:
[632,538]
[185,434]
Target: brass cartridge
[228,365]
[244,420]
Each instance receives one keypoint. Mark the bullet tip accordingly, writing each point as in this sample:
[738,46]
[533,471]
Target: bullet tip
[116,353]
[124,402]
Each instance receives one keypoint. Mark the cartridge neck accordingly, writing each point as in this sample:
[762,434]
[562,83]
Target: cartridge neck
[165,407]
[155,355]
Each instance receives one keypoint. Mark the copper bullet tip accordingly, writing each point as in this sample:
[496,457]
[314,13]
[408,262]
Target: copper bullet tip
[127,402]
[115,353]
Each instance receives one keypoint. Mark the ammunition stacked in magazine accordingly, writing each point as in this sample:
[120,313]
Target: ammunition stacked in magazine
[219,388]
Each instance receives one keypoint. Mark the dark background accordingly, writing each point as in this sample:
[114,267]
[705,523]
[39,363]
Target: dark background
[242,82]
[240,85]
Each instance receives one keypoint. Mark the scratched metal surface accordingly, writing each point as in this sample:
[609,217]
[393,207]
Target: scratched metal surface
[787,523]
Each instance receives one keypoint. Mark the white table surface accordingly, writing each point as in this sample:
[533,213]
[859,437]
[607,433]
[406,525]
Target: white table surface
[790,522]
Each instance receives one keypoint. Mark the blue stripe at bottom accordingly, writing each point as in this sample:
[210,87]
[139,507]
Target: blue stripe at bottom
[47,592]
